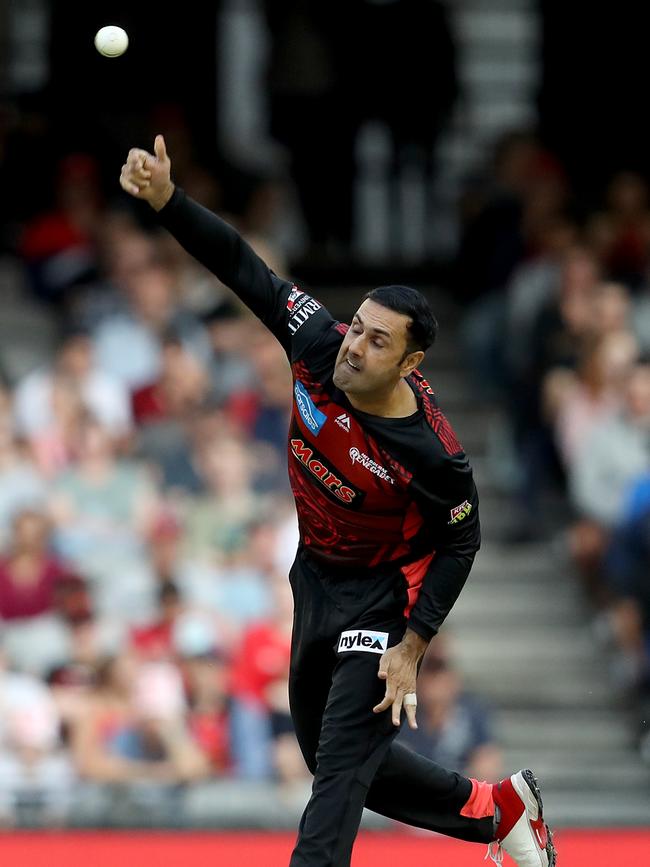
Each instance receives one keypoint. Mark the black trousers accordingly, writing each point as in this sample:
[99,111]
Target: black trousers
[333,687]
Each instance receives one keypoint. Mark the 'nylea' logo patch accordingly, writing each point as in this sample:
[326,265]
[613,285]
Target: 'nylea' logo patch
[310,414]
[363,639]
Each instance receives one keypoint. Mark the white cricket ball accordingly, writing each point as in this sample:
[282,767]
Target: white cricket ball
[111,41]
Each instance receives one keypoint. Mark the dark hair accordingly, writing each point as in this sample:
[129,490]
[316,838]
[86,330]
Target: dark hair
[423,326]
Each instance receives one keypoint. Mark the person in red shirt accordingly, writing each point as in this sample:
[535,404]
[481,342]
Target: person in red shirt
[259,687]
[181,387]
[32,580]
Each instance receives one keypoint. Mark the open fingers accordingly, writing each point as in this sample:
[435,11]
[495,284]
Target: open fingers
[386,702]
[410,711]
[397,707]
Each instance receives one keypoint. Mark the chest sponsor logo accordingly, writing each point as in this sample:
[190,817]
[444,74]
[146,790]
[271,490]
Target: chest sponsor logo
[363,639]
[302,310]
[358,457]
[292,300]
[309,412]
[343,421]
[334,483]
[459,513]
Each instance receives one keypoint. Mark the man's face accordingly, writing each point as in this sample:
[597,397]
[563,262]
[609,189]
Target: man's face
[373,355]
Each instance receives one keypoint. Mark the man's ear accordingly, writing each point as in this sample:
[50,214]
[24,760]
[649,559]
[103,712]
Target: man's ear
[410,362]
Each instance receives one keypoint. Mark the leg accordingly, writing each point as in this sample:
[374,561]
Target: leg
[345,745]
[352,744]
[417,791]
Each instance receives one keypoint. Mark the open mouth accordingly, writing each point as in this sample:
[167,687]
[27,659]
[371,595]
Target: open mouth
[353,366]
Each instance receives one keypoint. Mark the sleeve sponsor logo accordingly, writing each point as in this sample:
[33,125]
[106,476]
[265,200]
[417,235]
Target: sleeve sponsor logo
[459,513]
[309,412]
[372,466]
[302,309]
[337,486]
[364,640]
[293,298]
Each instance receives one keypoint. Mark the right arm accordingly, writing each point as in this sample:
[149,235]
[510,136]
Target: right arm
[221,249]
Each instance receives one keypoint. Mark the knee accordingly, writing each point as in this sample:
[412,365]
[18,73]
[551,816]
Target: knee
[308,751]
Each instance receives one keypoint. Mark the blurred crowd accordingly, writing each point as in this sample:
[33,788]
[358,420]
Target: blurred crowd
[557,329]
[146,526]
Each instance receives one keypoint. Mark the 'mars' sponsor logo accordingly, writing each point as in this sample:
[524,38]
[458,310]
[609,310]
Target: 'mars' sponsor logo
[364,640]
[316,466]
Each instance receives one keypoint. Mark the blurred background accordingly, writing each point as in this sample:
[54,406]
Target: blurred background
[493,153]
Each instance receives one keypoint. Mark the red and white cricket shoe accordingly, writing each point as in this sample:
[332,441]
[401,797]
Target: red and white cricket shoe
[522,831]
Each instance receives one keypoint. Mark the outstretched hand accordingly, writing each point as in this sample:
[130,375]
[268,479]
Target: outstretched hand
[399,668]
[148,176]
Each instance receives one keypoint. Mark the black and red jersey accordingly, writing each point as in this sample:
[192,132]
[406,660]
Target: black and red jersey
[371,492]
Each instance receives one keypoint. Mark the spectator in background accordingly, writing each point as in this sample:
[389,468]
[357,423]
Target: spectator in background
[125,249]
[515,238]
[204,663]
[627,571]
[33,581]
[620,234]
[53,447]
[582,313]
[104,396]
[454,727]
[164,549]
[150,313]
[72,679]
[577,403]
[265,411]
[493,240]
[103,508]
[263,739]
[59,245]
[177,392]
[37,775]
[617,453]
[532,288]
[164,410]
[217,523]
[21,486]
[230,369]
[155,640]
[38,595]
[134,729]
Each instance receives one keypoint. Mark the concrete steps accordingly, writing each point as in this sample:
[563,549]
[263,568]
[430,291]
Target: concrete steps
[521,634]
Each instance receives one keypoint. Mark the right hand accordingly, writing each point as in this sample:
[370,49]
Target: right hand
[148,176]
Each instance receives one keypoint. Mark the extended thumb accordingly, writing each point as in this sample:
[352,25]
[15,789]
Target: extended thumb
[159,148]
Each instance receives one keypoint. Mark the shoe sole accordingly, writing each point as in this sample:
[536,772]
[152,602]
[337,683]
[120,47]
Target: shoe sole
[531,782]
